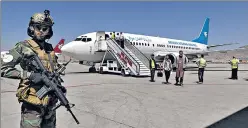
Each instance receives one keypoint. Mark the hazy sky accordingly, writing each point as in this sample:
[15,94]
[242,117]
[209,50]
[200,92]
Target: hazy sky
[177,20]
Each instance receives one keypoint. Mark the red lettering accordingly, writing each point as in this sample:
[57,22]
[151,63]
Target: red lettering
[125,59]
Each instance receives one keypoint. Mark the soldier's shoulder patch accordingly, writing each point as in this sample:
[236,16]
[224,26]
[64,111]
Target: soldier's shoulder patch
[7,58]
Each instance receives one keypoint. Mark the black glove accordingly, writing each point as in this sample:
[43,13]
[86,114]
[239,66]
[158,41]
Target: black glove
[35,78]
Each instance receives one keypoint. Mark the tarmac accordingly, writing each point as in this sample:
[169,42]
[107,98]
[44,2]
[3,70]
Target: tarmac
[113,101]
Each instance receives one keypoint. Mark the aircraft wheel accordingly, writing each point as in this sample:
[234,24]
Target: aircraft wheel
[101,70]
[92,69]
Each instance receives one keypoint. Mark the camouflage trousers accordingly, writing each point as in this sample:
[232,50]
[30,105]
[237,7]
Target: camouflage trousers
[31,118]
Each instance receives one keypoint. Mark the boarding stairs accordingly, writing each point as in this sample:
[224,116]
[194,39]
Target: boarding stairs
[142,60]
[129,57]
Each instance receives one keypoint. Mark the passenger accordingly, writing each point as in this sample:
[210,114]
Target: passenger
[122,40]
[117,38]
[167,66]
[110,35]
[153,67]
[234,63]
[201,65]
[180,68]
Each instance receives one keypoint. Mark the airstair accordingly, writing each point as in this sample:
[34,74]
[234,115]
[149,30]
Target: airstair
[130,59]
[142,60]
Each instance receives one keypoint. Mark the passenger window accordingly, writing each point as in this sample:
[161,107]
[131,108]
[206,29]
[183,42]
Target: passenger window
[136,43]
[148,44]
[142,44]
[153,45]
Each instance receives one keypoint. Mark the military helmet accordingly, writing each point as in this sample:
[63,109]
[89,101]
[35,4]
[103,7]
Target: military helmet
[41,19]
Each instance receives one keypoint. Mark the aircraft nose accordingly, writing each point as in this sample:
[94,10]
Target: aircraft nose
[68,48]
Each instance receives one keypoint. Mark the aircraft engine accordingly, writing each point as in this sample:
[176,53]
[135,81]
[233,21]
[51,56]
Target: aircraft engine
[159,57]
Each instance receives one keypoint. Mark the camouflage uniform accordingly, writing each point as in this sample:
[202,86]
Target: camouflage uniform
[10,72]
[35,112]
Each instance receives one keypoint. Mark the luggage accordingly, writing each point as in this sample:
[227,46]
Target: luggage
[160,74]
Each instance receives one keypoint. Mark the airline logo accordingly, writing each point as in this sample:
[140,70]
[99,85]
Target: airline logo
[181,43]
[205,34]
[60,46]
[138,39]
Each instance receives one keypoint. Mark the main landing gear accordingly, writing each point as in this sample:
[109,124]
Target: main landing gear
[92,69]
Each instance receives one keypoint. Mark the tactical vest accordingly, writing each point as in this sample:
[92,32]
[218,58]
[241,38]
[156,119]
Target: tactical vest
[22,91]
[43,55]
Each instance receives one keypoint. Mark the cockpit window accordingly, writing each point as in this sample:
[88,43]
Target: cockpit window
[78,39]
[84,39]
[89,39]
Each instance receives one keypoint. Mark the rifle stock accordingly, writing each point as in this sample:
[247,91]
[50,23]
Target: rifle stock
[51,84]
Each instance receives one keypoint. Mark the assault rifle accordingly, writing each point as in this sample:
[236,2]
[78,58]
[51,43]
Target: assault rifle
[52,82]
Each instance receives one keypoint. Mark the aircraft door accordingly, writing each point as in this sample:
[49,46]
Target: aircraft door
[100,41]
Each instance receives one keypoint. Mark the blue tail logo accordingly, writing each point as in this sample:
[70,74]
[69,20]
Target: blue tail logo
[203,37]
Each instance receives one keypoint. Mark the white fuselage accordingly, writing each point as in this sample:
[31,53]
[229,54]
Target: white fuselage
[83,47]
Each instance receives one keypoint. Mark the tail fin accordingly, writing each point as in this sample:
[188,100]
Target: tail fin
[57,48]
[203,37]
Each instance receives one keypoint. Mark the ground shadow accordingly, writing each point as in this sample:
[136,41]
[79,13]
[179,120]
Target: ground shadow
[214,70]
[78,73]
[235,120]
[194,73]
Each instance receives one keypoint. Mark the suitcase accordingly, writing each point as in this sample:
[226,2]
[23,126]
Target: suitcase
[159,74]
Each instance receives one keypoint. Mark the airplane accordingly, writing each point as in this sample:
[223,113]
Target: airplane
[83,47]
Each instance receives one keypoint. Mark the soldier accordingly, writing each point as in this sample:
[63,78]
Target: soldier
[36,112]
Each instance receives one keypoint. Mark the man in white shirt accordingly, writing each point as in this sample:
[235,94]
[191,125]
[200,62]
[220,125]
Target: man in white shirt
[167,66]
[122,40]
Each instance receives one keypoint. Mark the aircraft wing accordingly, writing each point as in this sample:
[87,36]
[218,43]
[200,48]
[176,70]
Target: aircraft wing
[213,46]
[194,55]
[205,52]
